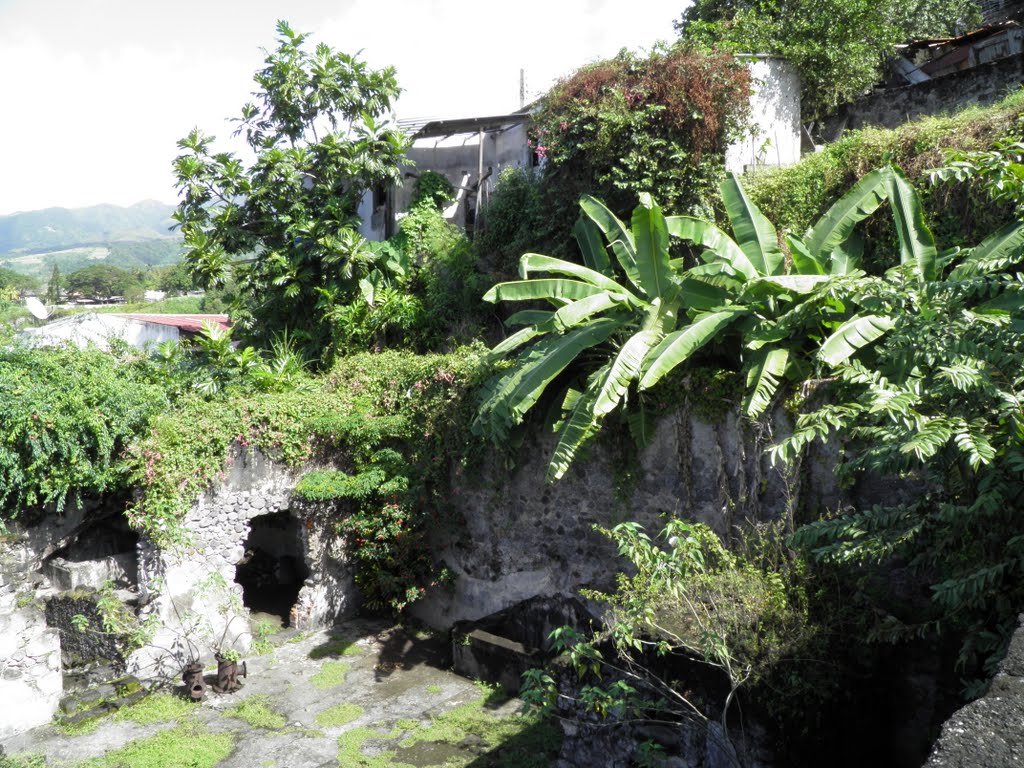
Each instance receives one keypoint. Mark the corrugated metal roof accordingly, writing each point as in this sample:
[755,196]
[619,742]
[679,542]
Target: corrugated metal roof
[191,323]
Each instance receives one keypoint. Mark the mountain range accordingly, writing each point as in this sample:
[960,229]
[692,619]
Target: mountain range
[137,236]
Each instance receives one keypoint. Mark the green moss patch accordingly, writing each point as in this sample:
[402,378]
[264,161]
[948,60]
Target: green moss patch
[337,647]
[342,714]
[332,673]
[189,745]
[258,713]
[158,708]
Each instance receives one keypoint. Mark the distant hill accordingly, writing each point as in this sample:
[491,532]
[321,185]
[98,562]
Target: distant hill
[33,242]
[61,228]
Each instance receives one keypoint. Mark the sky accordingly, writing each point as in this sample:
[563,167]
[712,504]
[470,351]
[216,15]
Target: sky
[94,94]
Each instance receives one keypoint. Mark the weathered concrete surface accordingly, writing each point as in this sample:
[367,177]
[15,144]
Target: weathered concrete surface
[196,597]
[988,732]
[396,676]
[523,537]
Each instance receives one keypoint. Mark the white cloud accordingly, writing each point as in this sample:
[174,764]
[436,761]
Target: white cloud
[97,92]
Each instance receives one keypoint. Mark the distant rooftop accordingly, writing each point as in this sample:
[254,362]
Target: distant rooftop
[190,323]
[427,127]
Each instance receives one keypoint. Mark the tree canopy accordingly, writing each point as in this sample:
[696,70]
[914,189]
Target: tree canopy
[839,46]
[285,225]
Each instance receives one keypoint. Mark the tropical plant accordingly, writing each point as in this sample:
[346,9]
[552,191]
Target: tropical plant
[661,314]
[285,226]
[638,317]
[939,399]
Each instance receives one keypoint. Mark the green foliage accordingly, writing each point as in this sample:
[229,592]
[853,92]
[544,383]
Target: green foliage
[331,674]
[633,333]
[939,399]
[512,222]
[100,281]
[432,188]
[339,714]
[257,712]
[687,596]
[285,225]
[394,422]
[160,707]
[960,214]
[68,415]
[838,46]
[188,745]
[12,283]
[430,297]
[657,124]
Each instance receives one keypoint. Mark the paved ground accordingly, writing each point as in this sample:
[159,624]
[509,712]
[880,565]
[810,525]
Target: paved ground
[363,694]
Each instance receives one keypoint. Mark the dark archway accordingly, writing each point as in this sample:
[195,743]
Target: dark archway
[274,566]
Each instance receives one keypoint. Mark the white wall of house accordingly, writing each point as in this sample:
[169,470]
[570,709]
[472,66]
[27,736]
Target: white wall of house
[458,158]
[774,138]
[98,329]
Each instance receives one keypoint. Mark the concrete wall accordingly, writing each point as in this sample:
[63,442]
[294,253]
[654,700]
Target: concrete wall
[193,591]
[523,537]
[98,329]
[981,85]
[457,158]
[31,681]
[774,139]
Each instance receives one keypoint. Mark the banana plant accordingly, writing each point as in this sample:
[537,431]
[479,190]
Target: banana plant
[628,297]
[791,302]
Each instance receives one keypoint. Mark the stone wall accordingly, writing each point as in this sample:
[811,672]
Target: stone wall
[31,682]
[192,589]
[989,731]
[523,537]
[981,85]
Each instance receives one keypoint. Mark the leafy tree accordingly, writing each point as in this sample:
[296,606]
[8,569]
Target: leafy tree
[100,281]
[54,286]
[13,283]
[284,226]
[839,46]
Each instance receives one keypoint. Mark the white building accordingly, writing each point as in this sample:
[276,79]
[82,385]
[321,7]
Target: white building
[137,330]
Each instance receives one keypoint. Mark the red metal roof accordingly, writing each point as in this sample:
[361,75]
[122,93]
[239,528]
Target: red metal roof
[189,323]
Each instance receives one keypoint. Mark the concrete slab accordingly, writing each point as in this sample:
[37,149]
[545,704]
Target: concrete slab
[389,678]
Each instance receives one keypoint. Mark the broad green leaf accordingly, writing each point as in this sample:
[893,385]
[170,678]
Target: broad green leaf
[514,341]
[794,283]
[852,335]
[754,233]
[651,236]
[553,288]
[588,236]
[676,347]
[573,314]
[624,370]
[835,226]
[763,377]
[846,258]
[620,238]
[715,240]
[530,317]
[996,252]
[804,262]
[535,262]
[701,294]
[579,427]
[516,391]
[917,245]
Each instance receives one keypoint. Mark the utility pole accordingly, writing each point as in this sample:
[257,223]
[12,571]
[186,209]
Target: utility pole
[522,88]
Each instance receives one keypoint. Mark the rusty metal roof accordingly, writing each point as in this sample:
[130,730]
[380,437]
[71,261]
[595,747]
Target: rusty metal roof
[188,323]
